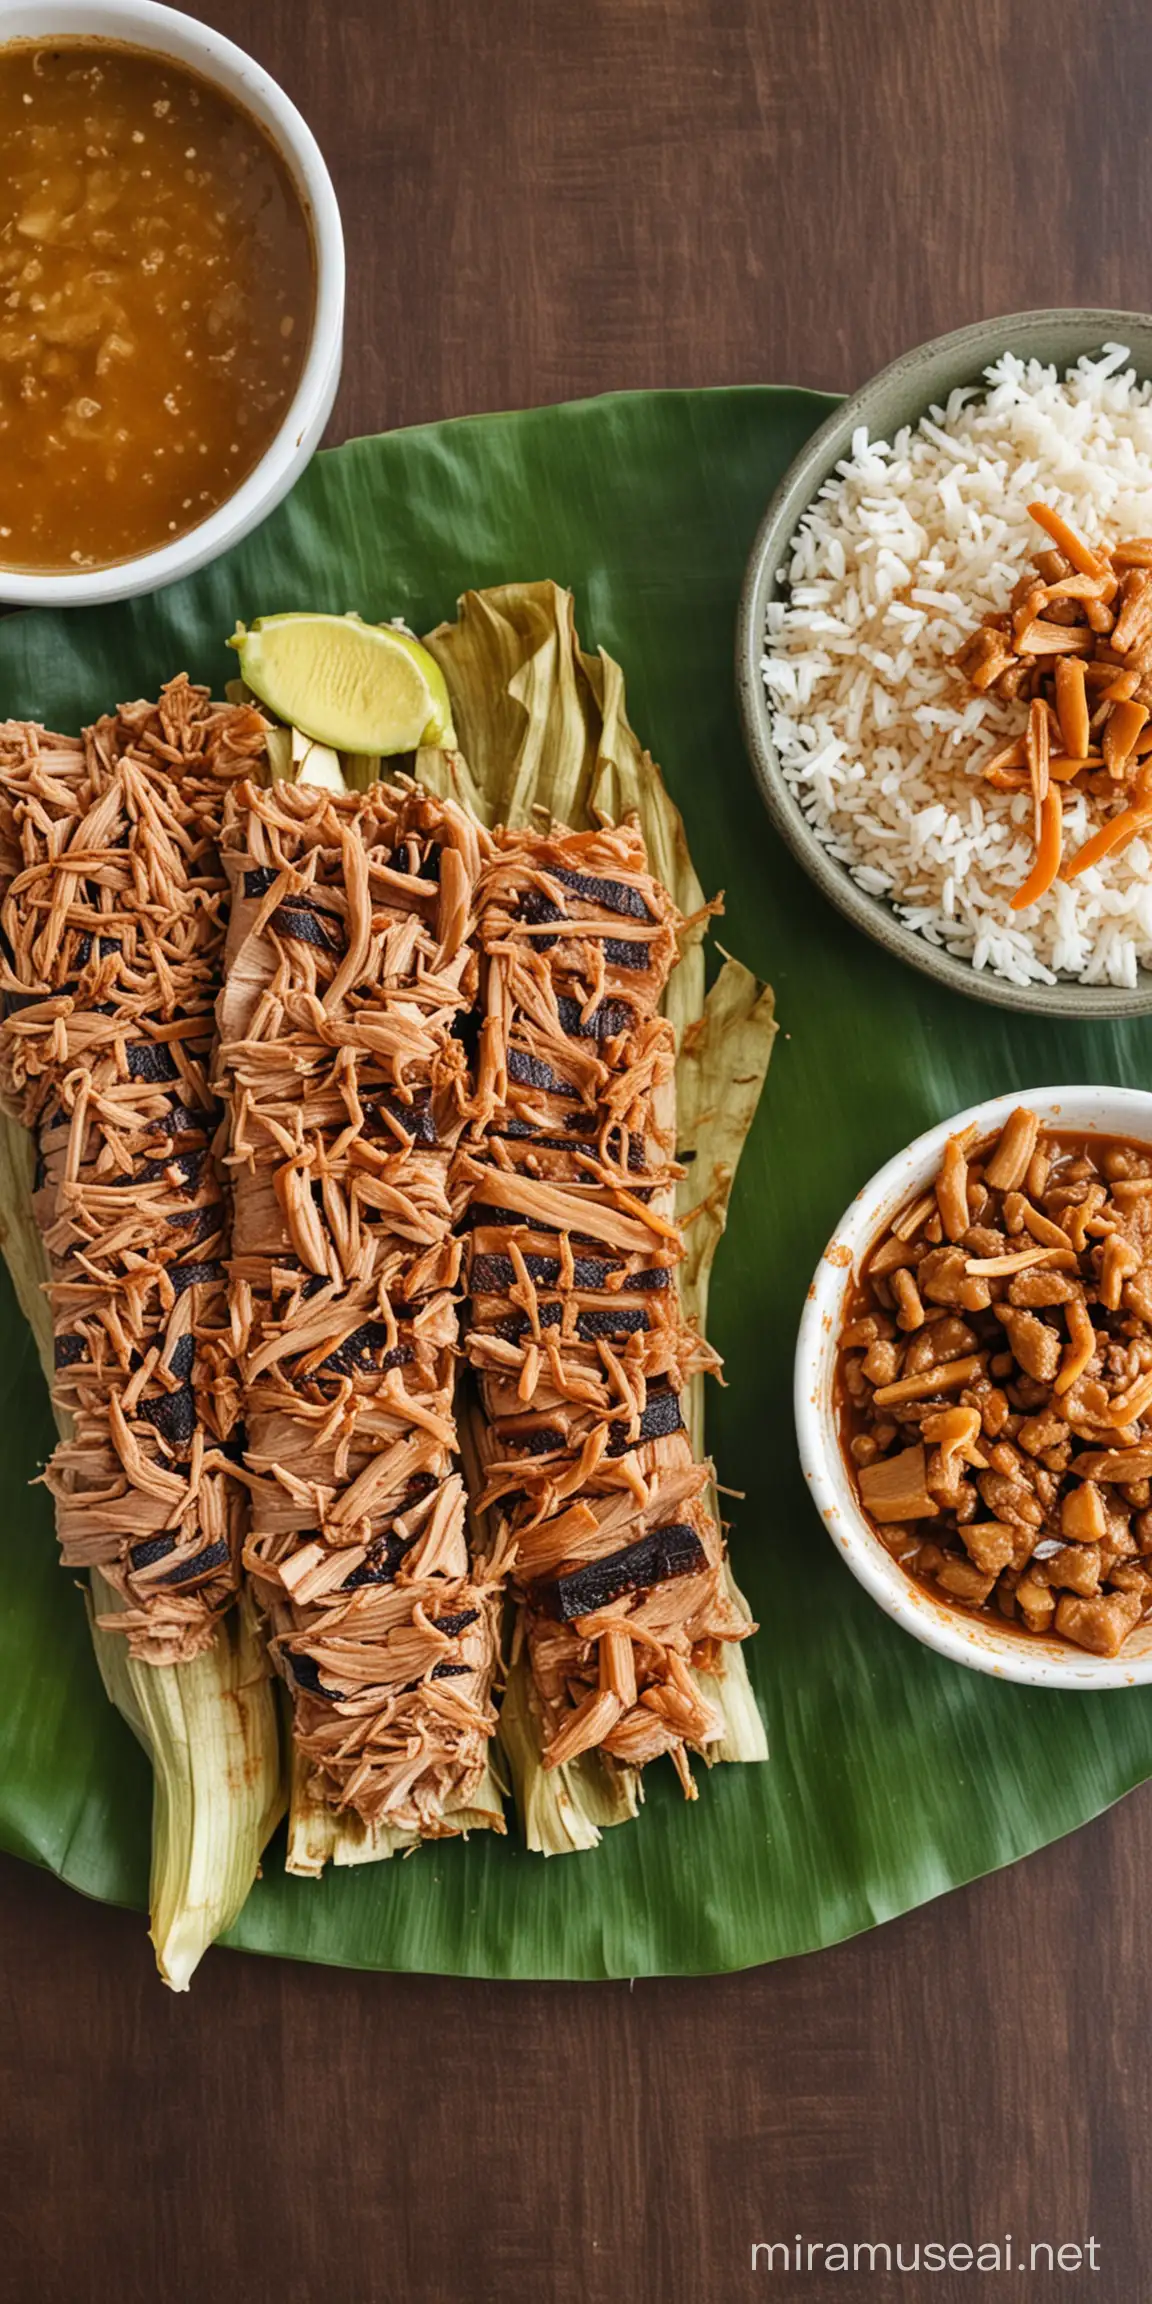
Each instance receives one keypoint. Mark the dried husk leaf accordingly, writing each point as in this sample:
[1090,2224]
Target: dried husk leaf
[720,1074]
[562,1810]
[209,1727]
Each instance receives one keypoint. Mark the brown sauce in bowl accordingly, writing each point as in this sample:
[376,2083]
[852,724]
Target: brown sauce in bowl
[157,289]
[994,1383]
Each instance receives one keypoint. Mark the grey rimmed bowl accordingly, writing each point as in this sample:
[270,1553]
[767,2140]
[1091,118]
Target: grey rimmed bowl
[900,395]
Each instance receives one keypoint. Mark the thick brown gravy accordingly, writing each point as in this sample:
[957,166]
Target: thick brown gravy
[156,300]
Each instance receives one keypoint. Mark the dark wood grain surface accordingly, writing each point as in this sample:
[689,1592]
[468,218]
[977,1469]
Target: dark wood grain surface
[546,198]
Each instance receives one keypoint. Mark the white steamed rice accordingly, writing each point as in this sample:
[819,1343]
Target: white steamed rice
[893,566]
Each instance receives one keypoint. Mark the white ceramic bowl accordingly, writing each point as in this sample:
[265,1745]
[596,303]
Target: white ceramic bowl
[144,24]
[966,1639]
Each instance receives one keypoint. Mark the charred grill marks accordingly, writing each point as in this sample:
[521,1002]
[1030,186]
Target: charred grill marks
[659,1419]
[530,1071]
[605,1023]
[295,917]
[666,1553]
[150,1060]
[607,895]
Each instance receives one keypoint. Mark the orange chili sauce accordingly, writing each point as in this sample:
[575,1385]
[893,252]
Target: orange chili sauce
[157,289]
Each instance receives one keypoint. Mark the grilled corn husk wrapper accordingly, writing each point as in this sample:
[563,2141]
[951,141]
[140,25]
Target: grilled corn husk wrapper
[113,919]
[547,741]
[348,970]
[576,1332]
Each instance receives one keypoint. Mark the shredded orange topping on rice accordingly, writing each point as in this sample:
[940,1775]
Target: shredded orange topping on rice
[1075,644]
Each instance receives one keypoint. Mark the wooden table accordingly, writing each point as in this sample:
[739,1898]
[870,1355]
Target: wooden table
[546,198]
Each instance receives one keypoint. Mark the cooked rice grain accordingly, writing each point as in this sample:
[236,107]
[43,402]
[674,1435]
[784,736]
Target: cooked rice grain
[893,565]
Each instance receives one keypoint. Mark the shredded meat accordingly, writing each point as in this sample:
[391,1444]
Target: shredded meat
[113,930]
[575,1331]
[348,970]
[1006,1457]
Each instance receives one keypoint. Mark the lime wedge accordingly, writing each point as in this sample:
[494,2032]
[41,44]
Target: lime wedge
[357,687]
[440,729]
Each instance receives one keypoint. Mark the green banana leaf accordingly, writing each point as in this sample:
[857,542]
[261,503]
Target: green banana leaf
[894,1775]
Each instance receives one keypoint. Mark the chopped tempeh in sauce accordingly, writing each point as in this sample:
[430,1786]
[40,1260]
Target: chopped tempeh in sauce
[1003,1447]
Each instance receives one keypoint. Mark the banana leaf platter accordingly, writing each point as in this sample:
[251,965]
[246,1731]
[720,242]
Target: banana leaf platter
[893,1775]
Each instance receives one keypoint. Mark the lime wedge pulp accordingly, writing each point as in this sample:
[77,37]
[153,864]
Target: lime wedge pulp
[358,687]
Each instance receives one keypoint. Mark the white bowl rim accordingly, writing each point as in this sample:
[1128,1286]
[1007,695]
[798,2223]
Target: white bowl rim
[1035,1663]
[149,24]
